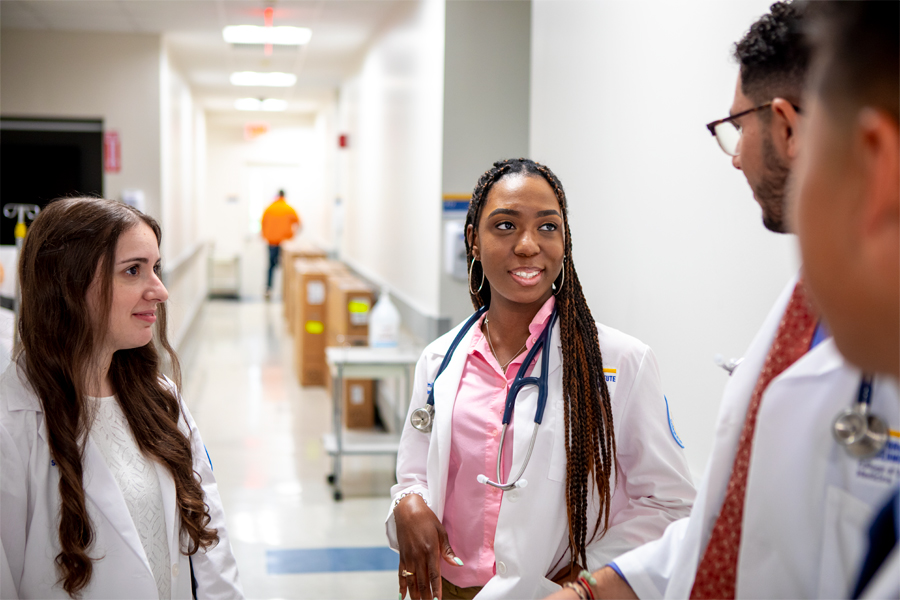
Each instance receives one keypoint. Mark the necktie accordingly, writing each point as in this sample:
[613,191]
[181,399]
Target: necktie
[717,571]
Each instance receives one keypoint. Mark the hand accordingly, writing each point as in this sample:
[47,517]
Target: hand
[566,574]
[609,585]
[423,542]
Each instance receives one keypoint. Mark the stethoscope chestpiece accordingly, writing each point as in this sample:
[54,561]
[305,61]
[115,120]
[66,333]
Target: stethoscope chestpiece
[423,418]
[862,435]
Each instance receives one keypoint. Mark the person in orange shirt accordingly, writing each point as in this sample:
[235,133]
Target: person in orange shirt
[279,223]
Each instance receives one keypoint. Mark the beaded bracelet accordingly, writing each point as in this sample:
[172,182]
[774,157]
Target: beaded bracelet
[578,590]
[586,579]
[405,494]
[576,585]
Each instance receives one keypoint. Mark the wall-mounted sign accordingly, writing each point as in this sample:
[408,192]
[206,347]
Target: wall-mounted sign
[254,130]
[112,152]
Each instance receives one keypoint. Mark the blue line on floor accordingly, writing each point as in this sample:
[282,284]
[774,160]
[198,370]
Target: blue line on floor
[331,560]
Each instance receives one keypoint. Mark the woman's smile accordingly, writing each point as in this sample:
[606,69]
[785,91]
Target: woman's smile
[527,276]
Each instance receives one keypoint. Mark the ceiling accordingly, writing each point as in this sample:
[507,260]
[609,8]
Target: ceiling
[192,30]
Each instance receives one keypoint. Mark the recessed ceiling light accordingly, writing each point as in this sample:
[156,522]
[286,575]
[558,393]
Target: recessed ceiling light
[274,104]
[279,36]
[252,78]
[269,104]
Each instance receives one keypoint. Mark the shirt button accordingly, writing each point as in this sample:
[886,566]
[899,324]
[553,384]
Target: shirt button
[175,570]
[512,496]
[501,567]
[494,432]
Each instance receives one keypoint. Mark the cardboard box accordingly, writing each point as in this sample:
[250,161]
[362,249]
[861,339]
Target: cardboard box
[358,402]
[310,285]
[350,302]
[291,250]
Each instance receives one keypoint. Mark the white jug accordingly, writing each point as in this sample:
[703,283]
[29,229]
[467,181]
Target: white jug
[384,323]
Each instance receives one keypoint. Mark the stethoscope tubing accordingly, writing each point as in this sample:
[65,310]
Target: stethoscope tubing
[520,381]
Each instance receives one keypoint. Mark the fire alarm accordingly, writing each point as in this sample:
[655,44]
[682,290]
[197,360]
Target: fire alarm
[342,140]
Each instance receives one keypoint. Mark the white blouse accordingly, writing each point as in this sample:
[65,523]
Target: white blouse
[137,478]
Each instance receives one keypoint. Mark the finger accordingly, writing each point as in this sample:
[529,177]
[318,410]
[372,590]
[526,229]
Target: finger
[447,552]
[434,578]
[423,580]
[402,580]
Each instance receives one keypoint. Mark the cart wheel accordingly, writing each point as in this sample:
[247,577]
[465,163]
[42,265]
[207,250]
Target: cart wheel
[331,479]
[338,496]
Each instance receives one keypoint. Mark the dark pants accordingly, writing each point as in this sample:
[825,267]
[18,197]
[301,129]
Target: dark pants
[274,256]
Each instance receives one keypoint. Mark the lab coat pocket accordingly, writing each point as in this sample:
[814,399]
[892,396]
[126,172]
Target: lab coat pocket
[843,542]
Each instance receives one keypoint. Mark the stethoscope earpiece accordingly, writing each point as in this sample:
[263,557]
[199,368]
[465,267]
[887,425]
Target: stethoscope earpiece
[862,435]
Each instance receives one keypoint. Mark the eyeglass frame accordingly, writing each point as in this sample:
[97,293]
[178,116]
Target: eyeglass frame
[712,126]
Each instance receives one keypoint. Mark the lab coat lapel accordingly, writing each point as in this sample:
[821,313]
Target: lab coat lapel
[167,490]
[445,389]
[736,400]
[526,403]
[101,488]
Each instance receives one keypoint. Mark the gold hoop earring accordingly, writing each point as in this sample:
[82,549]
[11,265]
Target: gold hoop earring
[472,266]
[563,275]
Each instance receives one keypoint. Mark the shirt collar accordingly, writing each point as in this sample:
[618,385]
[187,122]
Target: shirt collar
[535,328]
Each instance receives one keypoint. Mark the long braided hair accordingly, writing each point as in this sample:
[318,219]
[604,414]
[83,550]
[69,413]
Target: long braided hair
[590,439]
[71,244]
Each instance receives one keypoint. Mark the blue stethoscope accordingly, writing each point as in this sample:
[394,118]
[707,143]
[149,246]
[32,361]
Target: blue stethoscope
[423,418]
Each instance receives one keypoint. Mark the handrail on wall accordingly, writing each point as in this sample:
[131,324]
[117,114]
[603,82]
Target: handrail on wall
[173,267]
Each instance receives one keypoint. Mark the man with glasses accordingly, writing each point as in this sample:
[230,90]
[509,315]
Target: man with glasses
[779,511]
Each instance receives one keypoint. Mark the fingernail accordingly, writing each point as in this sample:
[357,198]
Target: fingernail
[457,560]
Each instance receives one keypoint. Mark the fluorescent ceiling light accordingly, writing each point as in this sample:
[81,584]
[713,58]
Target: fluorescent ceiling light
[269,104]
[253,34]
[253,78]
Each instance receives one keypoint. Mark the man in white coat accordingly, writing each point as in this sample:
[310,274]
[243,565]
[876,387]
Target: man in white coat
[782,508]
[847,215]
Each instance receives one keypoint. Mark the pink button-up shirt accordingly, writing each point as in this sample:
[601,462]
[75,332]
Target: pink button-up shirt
[471,509]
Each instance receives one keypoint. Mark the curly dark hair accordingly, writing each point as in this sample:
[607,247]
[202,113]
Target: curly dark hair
[774,55]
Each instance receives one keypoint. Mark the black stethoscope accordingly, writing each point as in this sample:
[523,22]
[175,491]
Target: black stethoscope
[862,435]
[423,418]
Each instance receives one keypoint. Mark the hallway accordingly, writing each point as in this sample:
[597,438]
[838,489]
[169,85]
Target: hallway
[263,433]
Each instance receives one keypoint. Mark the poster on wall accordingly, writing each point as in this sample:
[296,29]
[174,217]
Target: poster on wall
[112,152]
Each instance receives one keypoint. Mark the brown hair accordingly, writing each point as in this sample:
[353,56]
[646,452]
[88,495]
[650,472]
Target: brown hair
[590,438]
[72,241]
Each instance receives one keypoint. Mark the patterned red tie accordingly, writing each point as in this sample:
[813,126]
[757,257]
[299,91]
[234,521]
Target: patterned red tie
[717,572]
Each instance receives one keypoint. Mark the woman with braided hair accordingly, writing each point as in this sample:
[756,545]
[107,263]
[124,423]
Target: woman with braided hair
[107,490]
[606,473]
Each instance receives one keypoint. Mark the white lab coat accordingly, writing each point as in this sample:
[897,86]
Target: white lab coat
[653,488]
[808,503]
[29,515]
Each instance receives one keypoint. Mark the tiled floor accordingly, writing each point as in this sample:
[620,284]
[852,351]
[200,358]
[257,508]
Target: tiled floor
[263,432]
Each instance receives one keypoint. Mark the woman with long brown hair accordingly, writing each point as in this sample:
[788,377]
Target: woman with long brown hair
[603,466]
[107,490]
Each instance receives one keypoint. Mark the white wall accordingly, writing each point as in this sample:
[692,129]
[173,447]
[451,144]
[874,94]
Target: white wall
[182,158]
[667,238]
[486,107]
[114,77]
[391,173]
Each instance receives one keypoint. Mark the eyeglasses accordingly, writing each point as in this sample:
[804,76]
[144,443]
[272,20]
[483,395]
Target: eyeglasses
[728,134]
